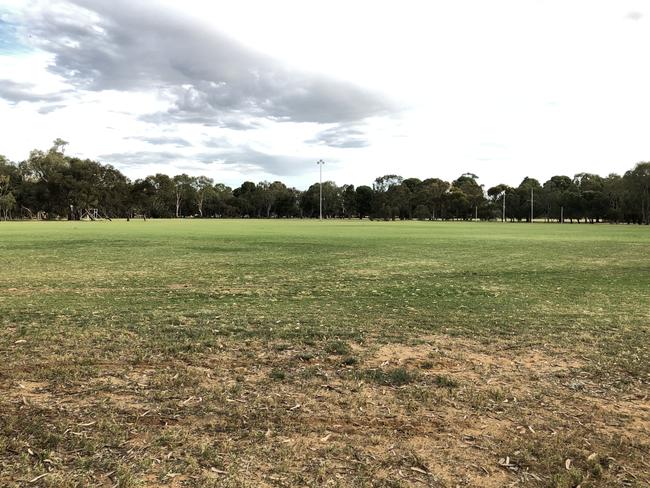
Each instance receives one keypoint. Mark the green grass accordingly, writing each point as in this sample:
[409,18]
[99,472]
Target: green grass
[80,301]
[298,279]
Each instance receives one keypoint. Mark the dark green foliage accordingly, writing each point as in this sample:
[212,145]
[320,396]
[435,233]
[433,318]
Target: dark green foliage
[337,347]
[51,185]
[391,377]
[349,361]
[445,381]
[278,374]
[305,356]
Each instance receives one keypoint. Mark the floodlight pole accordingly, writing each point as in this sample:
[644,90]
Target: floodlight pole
[503,213]
[320,164]
[531,204]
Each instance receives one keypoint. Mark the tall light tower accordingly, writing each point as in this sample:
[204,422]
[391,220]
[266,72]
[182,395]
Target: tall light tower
[503,212]
[320,164]
[531,204]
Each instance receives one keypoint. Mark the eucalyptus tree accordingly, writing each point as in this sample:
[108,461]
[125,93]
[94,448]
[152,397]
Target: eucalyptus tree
[525,199]
[349,201]
[387,197]
[637,183]
[614,191]
[473,195]
[203,189]
[183,193]
[503,203]
[363,196]
[7,199]
[162,195]
[555,195]
[9,184]
[245,199]
[332,200]
[431,193]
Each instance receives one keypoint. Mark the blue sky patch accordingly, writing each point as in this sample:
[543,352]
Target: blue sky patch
[9,40]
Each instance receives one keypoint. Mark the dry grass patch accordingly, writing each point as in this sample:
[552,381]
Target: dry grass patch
[260,414]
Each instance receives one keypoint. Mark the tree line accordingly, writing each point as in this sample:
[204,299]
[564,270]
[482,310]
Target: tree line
[52,185]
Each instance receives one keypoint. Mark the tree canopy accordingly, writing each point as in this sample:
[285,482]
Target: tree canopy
[51,185]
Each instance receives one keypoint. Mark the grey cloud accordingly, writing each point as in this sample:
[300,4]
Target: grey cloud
[162,140]
[197,167]
[246,159]
[217,143]
[243,159]
[208,116]
[634,15]
[341,136]
[46,109]
[15,92]
[140,158]
[212,79]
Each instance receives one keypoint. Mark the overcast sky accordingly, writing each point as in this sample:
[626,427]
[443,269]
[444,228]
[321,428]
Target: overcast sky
[254,89]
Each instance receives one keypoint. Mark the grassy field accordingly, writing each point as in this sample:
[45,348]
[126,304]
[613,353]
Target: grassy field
[305,353]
